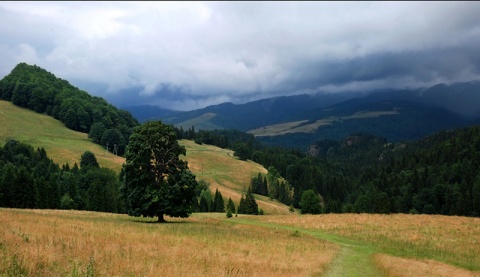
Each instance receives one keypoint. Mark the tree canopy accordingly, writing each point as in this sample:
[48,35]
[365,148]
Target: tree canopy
[34,88]
[310,202]
[157,182]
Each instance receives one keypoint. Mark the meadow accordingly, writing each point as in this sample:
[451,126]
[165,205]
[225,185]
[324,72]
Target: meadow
[302,126]
[78,243]
[61,144]
[281,243]
[214,165]
[73,243]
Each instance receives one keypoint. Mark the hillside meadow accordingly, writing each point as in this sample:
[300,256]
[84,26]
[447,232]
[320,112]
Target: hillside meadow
[230,175]
[61,144]
[79,243]
[215,165]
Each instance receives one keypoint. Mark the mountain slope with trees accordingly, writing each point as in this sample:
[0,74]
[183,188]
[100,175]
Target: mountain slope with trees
[39,90]
[363,173]
[65,146]
[300,120]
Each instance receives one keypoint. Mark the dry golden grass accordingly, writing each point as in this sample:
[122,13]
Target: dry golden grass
[72,243]
[450,239]
[399,267]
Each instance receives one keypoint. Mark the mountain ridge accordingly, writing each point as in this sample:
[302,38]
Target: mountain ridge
[434,106]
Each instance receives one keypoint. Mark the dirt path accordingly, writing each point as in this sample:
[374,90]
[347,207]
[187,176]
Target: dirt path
[352,262]
[354,258]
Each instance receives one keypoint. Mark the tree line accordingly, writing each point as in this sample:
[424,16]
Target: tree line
[29,179]
[363,173]
[34,88]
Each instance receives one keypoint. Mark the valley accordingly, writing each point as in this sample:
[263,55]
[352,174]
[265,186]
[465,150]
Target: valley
[386,208]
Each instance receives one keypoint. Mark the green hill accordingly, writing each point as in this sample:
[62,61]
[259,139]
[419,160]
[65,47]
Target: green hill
[212,164]
[61,144]
[230,175]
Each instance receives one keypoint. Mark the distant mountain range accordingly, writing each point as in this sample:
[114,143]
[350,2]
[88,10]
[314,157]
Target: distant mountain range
[300,120]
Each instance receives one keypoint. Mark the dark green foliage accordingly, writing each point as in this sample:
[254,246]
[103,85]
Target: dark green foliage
[218,202]
[201,186]
[29,179]
[242,208]
[88,159]
[231,205]
[39,90]
[157,182]
[242,151]
[259,185]
[310,202]
[96,132]
[101,188]
[203,206]
[114,141]
[206,201]
[248,205]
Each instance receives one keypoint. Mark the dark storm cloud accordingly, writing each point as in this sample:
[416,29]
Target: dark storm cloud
[191,54]
[418,66]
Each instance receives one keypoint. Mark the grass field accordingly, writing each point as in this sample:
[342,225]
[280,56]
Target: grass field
[301,127]
[212,164]
[39,130]
[447,239]
[74,243]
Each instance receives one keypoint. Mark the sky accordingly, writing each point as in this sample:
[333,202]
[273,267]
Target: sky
[188,55]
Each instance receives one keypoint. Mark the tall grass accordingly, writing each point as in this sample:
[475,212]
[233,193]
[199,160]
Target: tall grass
[73,243]
[448,239]
[395,266]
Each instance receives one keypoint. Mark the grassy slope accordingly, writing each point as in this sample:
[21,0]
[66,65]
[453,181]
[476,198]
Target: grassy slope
[212,164]
[231,176]
[39,130]
[300,127]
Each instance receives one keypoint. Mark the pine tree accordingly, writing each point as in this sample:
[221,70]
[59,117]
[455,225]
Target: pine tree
[230,205]
[203,206]
[218,202]
[241,207]
[251,206]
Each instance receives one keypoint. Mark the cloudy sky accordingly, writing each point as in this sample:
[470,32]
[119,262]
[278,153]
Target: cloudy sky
[187,55]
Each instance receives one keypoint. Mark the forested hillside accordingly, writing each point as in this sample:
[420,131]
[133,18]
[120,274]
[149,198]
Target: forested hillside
[39,90]
[360,173]
[363,173]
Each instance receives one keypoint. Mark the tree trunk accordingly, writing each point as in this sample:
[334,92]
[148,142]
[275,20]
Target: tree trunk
[161,219]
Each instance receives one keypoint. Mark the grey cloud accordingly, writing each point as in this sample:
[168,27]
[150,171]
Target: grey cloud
[200,53]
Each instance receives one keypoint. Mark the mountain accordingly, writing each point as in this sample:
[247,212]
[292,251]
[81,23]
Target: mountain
[148,112]
[297,121]
[462,98]
[242,116]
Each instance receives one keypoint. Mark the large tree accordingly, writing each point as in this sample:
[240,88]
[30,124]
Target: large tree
[157,181]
